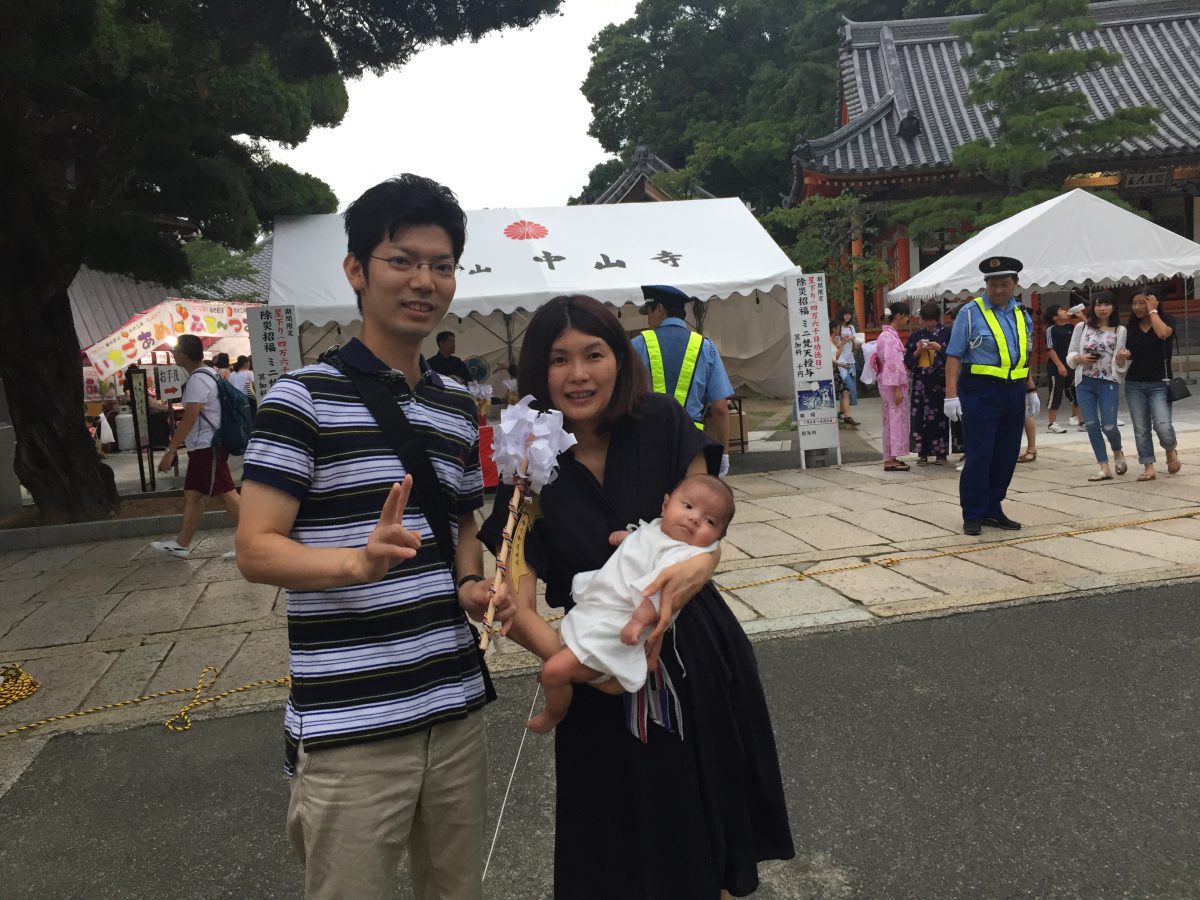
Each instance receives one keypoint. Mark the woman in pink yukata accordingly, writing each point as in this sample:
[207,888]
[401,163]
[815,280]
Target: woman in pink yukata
[893,387]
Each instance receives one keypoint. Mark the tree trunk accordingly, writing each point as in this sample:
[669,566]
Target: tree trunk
[43,381]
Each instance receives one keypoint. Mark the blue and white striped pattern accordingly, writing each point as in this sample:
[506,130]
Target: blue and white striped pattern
[369,661]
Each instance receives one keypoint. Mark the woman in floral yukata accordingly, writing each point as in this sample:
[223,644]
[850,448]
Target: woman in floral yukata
[666,794]
[925,357]
[893,387]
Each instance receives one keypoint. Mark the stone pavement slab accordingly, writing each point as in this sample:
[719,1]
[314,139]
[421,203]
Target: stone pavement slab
[25,586]
[828,533]
[128,674]
[781,598]
[1091,556]
[64,687]
[149,612]
[871,584]
[955,575]
[1032,567]
[760,539]
[225,602]
[797,506]
[182,666]
[892,525]
[163,572]
[60,622]
[1153,545]
[748,512]
[81,584]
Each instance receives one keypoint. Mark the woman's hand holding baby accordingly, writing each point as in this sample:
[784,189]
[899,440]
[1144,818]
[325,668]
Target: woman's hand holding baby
[676,585]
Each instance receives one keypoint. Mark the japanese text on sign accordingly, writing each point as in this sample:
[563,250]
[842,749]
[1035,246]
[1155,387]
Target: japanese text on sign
[274,345]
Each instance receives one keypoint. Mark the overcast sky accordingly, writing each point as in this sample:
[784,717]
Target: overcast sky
[501,122]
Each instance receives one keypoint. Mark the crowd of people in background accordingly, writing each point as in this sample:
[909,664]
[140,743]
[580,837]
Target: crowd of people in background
[1089,356]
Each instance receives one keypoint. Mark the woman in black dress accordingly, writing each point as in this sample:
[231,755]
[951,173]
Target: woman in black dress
[925,357]
[685,813]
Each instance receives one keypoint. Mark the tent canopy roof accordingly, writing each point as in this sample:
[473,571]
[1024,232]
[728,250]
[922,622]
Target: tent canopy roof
[1067,241]
[520,258]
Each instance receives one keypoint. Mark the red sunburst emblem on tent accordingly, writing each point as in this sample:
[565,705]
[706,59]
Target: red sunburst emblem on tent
[526,231]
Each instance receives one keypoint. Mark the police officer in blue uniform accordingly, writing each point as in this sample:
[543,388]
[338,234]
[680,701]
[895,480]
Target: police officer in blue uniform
[988,384]
[682,363]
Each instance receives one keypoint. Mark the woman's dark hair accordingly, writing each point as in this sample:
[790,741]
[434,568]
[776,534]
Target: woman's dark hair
[841,313]
[221,360]
[1113,319]
[931,312]
[241,362]
[397,203]
[897,308]
[1050,312]
[592,317]
[1155,292]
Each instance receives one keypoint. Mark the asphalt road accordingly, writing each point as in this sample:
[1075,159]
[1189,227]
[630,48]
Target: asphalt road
[1040,751]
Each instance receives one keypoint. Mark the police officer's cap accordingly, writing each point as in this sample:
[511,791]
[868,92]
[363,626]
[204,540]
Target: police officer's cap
[995,266]
[670,297]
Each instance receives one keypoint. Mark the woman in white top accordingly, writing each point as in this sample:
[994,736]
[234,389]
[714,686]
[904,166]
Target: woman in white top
[1100,360]
[242,377]
[842,334]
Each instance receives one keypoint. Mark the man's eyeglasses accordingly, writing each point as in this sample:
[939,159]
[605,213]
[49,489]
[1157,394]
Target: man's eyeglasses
[404,264]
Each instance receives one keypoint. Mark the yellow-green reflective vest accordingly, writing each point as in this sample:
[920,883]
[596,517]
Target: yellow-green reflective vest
[1005,370]
[658,375]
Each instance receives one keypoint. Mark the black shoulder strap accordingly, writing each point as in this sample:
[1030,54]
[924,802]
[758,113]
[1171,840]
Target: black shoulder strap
[400,434]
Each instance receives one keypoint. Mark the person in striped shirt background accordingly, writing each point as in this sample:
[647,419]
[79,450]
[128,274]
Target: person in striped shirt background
[384,725]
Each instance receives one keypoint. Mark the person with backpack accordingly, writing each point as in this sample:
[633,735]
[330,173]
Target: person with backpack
[214,425]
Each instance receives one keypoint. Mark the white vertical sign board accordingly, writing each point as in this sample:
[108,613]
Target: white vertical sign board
[812,364]
[274,344]
[170,381]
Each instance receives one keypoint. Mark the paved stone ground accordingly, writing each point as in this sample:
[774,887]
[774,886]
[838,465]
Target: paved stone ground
[104,622]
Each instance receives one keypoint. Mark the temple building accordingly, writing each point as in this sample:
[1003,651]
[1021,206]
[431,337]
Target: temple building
[636,184]
[904,111]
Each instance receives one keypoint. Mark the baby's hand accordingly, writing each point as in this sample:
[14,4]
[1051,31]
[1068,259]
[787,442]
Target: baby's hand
[616,537]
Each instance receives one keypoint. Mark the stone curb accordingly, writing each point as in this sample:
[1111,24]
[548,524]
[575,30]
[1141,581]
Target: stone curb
[45,536]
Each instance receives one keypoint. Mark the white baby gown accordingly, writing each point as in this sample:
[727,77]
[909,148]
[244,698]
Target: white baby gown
[605,598]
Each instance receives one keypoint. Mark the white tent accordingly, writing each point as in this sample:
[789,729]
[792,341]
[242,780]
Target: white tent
[1066,242]
[517,259]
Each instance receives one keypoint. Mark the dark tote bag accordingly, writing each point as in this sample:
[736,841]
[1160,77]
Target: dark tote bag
[1177,388]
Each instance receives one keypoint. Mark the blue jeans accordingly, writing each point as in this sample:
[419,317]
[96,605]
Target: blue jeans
[1098,399]
[1149,405]
[850,380]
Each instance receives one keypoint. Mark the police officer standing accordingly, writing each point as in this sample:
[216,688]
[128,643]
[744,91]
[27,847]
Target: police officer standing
[683,363]
[988,384]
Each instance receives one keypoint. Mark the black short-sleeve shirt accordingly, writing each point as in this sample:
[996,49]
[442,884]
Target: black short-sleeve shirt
[1149,354]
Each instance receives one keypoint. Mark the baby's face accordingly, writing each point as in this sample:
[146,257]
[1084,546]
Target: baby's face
[695,514]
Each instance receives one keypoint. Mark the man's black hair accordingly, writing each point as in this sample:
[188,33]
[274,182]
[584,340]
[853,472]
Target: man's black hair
[401,202]
[443,336]
[190,346]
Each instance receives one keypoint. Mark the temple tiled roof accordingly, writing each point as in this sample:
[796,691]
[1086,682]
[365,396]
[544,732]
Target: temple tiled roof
[645,164]
[906,92]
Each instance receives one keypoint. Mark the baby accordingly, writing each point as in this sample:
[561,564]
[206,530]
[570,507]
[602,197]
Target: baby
[604,633]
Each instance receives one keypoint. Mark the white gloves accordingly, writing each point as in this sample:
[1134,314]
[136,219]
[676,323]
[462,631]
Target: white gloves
[952,407]
[724,470]
[1033,403]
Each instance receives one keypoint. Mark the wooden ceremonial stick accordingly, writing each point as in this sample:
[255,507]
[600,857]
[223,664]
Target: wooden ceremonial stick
[514,511]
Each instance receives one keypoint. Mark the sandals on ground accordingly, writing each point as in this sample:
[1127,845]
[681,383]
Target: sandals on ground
[1027,457]
[1173,465]
[1101,476]
[922,461]
[1122,466]
[1146,476]
[898,467]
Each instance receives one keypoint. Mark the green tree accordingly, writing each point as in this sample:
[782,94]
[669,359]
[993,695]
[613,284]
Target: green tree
[126,124]
[813,234]
[212,265]
[1023,70]
[720,88]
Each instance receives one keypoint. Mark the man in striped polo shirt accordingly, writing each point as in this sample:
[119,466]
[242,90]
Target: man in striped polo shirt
[384,725]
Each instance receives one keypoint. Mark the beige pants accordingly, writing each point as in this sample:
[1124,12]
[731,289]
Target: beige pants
[354,809]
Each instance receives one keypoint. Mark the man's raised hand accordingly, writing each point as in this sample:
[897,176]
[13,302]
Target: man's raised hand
[390,542]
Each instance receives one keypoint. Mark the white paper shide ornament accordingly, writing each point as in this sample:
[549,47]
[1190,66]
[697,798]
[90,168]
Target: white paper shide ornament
[525,450]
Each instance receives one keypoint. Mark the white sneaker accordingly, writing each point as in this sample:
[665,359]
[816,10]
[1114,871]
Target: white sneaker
[1120,424]
[1081,427]
[1055,428]
[959,467]
[171,548]
[1074,420]
[229,554]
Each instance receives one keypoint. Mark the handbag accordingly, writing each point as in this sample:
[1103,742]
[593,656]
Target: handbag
[385,409]
[1177,388]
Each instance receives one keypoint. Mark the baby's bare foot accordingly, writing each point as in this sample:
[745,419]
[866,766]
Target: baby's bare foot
[543,722]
